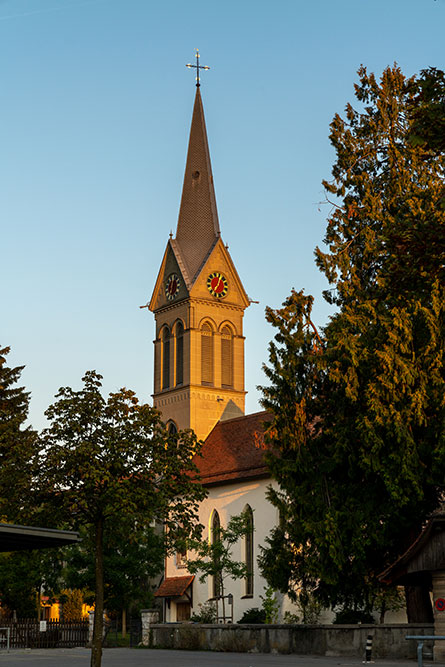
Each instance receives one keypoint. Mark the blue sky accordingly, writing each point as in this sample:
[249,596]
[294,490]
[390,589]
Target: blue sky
[95,108]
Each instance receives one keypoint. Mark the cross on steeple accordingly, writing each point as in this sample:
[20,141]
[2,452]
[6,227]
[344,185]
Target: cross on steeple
[197,67]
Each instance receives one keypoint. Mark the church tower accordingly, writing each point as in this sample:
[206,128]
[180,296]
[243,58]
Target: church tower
[198,302]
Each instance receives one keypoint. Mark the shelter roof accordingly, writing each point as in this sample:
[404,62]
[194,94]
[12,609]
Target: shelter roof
[21,538]
[174,587]
[425,555]
[234,450]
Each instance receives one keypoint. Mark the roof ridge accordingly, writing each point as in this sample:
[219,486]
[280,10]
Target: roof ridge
[260,466]
[234,419]
[178,256]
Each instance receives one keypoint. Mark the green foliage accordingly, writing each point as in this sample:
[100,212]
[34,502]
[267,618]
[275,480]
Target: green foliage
[427,112]
[72,601]
[17,445]
[309,607]
[207,613]
[357,437]
[23,574]
[214,558]
[269,606]
[253,615]
[290,619]
[109,462]
[388,598]
[132,555]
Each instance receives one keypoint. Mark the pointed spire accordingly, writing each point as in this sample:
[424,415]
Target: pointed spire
[198,226]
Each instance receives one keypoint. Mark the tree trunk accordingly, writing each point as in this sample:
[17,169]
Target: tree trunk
[382,612]
[221,591]
[96,650]
[124,622]
[418,605]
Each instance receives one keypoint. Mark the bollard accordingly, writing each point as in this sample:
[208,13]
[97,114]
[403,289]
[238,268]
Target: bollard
[368,650]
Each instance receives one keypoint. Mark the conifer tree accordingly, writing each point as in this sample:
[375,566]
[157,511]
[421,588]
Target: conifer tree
[359,416]
[17,444]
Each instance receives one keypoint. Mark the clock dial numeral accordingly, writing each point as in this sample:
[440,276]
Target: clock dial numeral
[217,285]
[172,285]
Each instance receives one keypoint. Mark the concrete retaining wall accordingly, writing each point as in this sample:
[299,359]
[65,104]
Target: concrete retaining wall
[329,640]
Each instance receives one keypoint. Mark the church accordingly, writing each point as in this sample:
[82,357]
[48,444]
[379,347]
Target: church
[198,303]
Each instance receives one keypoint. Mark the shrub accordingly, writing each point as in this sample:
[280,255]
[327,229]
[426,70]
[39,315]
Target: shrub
[352,616]
[253,615]
[270,605]
[206,613]
[290,619]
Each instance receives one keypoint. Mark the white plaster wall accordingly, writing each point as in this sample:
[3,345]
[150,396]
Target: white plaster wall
[229,500]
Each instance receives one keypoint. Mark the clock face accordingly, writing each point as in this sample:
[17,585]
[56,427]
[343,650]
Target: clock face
[217,284]
[172,285]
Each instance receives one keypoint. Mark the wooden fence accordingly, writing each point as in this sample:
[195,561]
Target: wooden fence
[27,633]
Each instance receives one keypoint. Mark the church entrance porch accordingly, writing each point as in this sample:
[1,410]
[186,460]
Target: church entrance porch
[177,594]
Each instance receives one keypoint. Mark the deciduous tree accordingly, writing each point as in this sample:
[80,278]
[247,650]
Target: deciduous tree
[109,461]
[214,558]
[133,556]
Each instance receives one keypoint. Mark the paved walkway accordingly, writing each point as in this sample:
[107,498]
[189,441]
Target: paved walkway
[122,657]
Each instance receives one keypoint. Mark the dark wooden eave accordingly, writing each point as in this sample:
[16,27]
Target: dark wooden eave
[425,555]
[25,538]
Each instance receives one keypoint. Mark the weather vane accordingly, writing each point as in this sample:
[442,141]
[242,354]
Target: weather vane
[197,67]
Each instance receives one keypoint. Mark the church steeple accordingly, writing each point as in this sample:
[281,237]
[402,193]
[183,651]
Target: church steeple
[198,226]
[199,303]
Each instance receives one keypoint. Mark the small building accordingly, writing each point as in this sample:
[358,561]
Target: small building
[423,564]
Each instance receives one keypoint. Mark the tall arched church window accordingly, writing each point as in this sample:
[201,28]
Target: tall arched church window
[215,535]
[179,353]
[226,357]
[172,428]
[248,550]
[206,354]
[165,358]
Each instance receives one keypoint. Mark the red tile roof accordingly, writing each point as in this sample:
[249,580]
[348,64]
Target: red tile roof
[174,587]
[234,450]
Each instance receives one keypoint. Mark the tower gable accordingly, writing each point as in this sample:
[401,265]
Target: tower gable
[220,262]
[171,268]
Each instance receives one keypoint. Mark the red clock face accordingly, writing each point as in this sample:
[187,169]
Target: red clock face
[172,285]
[217,284]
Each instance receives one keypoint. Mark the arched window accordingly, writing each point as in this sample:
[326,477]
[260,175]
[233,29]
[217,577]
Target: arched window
[179,342]
[172,428]
[206,354]
[165,358]
[215,533]
[248,550]
[226,357]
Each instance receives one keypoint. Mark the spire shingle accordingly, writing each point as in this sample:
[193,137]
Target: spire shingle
[198,226]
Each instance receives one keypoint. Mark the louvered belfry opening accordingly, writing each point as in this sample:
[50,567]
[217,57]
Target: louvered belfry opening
[165,358]
[226,357]
[206,354]
[179,340]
